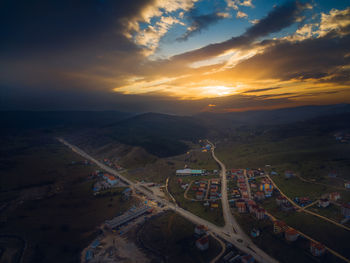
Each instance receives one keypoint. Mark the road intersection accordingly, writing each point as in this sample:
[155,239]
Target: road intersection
[231,232]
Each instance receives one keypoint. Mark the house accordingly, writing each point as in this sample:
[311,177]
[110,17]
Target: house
[345,210]
[268,192]
[200,230]
[286,207]
[255,232]
[288,174]
[279,227]
[126,193]
[241,180]
[213,196]
[214,187]
[251,204]
[112,180]
[259,196]
[247,259]
[281,200]
[202,243]
[236,193]
[334,196]
[253,185]
[291,234]
[266,186]
[240,204]
[317,249]
[302,201]
[199,195]
[214,205]
[215,181]
[347,184]
[245,194]
[260,213]
[324,202]
[236,171]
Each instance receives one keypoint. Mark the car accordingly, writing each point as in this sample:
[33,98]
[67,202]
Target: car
[239,240]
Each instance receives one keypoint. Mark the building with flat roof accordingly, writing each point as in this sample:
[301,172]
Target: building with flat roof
[200,230]
[334,196]
[189,172]
[291,234]
[241,206]
[203,243]
[279,227]
[345,210]
[260,213]
[317,249]
[323,202]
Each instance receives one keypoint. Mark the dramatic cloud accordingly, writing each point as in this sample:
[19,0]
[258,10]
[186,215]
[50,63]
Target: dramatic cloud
[95,54]
[201,22]
[279,18]
[149,38]
[235,4]
[241,14]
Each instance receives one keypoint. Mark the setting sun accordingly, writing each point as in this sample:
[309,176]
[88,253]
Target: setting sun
[215,91]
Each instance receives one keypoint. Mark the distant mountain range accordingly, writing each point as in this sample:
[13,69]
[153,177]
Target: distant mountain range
[278,116]
[165,135]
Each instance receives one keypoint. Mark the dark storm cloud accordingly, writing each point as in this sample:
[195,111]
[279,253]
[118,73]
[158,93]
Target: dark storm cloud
[41,24]
[313,58]
[75,44]
[280,17]
[199,23]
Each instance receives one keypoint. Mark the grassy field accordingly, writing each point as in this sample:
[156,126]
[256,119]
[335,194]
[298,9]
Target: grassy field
[275,245]
[321,230]
[58,226]
[173,237]
[332,211]
[294,187]
[215,216]
[313,157]
[162,168]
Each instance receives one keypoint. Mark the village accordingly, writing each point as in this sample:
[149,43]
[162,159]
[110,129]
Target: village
[250,193]
[250,188]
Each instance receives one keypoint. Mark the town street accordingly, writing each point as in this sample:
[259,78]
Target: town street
[231,232]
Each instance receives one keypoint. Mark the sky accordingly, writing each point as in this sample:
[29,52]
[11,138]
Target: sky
[178,57]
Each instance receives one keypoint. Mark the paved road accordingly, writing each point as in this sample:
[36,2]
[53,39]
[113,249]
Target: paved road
[223,248]
[238,239]
[305,210]
[315,241]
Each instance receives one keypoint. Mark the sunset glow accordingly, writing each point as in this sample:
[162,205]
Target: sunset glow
[283,54]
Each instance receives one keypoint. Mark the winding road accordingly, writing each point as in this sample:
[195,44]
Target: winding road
[303,208]
[231,232]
